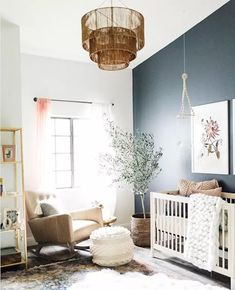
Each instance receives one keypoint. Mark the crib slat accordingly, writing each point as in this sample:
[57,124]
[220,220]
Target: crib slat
[164,222]
[184,210]
[168,224]
[223,246]
[161,222]
[157,221]
[176,225]
[172,225]
[180,229]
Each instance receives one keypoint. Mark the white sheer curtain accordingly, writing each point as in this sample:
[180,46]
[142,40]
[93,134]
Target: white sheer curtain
[98,186]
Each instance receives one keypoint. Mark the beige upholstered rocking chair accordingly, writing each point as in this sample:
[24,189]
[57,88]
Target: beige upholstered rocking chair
[60,229]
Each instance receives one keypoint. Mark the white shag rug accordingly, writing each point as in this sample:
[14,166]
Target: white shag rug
[112,280]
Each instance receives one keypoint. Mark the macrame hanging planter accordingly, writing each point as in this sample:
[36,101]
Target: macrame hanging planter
[186,110]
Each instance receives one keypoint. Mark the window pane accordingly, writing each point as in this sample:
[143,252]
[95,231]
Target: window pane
[63,179]
[62,144]
[62,127]
[63,162]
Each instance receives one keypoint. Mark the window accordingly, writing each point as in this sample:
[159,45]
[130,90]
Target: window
[70,146]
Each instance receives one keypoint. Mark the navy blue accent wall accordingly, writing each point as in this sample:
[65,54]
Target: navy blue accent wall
[157,87]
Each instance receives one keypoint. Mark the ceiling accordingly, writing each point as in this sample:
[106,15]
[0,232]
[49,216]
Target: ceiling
[53,27]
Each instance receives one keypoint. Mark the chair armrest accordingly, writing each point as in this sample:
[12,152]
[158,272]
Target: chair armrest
[93,214]
[52,229]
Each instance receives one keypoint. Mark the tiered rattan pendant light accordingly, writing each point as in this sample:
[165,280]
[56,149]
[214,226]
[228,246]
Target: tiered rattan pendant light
[112,36]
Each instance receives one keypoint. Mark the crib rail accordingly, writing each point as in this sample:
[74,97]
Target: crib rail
[169,221]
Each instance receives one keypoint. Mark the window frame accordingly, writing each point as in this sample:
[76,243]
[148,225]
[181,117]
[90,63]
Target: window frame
[72,165]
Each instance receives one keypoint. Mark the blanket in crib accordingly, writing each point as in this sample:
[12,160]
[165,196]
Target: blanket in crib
[202,244]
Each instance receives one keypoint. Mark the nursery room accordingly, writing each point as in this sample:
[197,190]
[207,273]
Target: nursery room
[117,135]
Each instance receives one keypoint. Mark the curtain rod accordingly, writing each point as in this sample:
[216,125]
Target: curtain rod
[69,101]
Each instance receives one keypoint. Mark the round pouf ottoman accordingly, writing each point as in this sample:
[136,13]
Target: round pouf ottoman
[111,246]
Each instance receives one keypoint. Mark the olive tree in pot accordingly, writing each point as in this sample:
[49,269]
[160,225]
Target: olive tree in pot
[133,160]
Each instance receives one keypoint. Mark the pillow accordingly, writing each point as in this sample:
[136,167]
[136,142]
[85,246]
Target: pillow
[211,192]
[50,206]
[186,187]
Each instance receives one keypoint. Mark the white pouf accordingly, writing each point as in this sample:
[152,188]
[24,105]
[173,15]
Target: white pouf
[111,246]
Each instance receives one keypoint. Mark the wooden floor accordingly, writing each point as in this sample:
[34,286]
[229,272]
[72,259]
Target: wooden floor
[179,269]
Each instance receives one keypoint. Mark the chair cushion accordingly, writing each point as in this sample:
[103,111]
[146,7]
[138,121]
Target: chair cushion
[82,229]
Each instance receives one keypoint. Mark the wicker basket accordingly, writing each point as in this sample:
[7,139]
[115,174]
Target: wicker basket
[140,230]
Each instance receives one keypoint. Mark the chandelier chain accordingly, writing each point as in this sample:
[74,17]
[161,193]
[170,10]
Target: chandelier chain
[122,3]
[102,3]
[110,19]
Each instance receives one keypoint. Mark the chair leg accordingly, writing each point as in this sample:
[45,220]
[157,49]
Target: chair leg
[71,247]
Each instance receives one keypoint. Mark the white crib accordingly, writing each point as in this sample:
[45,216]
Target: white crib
[169,213]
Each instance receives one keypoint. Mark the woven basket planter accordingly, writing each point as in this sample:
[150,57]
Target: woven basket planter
[140,230]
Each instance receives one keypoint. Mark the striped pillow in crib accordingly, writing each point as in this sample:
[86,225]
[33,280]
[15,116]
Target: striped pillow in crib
[186,187]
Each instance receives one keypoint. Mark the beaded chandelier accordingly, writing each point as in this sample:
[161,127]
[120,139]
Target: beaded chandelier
[112,36]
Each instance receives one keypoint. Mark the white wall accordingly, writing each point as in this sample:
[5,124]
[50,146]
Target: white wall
[60,79]
[10,75]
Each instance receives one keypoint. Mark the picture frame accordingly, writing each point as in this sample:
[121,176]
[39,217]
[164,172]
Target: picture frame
[210,138]
[12,216]
[8,153]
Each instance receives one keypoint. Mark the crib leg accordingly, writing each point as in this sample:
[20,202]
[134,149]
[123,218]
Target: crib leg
[232,282]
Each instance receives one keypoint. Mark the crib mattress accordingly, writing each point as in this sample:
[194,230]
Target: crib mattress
[178,226]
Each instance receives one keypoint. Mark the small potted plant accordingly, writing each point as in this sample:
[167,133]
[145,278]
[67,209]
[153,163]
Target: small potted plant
[133,160]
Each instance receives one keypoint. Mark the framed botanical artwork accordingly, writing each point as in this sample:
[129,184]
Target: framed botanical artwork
[8,153]
[210,139]
[234,136]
